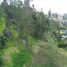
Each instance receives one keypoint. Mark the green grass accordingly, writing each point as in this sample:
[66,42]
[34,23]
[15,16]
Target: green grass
[21,58]
[31,40]
[44,54]
[16,55]
[2,24]
[49,55]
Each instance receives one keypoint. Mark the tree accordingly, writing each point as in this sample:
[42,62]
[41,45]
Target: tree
[27,2]
[49,13]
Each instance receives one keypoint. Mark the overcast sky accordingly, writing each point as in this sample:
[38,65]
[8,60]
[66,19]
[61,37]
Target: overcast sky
[59,6]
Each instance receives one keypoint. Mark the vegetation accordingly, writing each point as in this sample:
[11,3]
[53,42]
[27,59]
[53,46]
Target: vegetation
[29,38]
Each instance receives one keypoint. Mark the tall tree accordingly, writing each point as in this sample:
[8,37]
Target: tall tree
[27,2]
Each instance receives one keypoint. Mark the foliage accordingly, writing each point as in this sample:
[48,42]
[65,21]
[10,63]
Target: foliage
[22,27]
[1,61]
[21,58]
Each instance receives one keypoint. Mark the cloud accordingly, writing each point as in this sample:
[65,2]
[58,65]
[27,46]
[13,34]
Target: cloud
[59,6]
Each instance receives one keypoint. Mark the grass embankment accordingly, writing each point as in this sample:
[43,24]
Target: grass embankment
[16,54]
[42,54]
[47,54]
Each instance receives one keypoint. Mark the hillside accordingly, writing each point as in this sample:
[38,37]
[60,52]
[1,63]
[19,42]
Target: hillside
[29,38]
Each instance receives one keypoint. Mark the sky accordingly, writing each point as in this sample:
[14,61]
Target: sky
[56,6]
